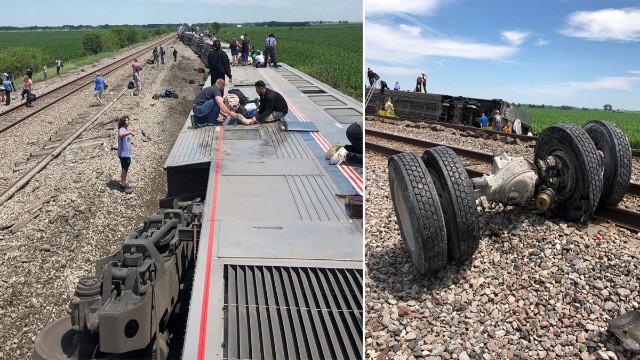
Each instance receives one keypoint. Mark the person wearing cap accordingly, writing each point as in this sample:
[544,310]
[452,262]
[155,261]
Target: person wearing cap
[218,62]
[270,50]
[421,83]
[396,86]
[497,121]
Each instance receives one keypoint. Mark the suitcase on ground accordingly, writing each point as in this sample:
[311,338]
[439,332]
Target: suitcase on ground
[31,97]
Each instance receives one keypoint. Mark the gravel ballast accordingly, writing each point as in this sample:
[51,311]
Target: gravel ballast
[536,288]
[72,213]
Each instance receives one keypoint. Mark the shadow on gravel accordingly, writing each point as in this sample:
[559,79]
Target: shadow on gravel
[390,270]
[113,185]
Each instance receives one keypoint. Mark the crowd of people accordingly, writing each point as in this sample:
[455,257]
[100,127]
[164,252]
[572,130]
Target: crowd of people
[243,52]
[212,107]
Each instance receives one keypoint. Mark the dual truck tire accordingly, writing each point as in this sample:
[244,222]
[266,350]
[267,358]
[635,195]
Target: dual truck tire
[434,201]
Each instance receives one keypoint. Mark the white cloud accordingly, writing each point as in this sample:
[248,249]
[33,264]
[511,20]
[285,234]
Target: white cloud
[541,42]
[605,24]
[514,37]
[395,70]
[637,72]
[387,7]
[405,45]
[624,83]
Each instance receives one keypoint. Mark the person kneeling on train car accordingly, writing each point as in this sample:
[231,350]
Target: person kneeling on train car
[207,106]
[273,106]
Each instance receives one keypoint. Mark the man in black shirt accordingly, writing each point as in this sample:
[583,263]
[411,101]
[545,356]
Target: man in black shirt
[218,62]
[273,106]
[207,105]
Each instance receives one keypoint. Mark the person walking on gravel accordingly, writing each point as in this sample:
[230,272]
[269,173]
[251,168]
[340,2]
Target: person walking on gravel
[135,65]
[137,84]
[125,141]
[8,88]
[58,66]
[175,55]
[26,89]
[99,88]
[162,52]
[44,72]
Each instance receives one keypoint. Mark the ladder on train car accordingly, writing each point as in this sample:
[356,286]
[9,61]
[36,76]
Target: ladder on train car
[371,90]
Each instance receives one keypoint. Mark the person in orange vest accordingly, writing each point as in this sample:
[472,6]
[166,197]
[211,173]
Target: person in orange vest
[507,128]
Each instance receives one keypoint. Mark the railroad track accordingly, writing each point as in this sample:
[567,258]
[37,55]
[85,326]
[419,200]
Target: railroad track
[65,135]
[634,188]
[523,138]
[620,216]
[20,113]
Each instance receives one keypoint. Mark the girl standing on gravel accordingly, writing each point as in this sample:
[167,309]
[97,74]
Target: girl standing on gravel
[99,88]
[125,140]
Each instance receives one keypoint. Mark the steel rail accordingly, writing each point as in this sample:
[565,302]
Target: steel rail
[13,188]
[634,188]
[83,80]
[634,152]
[628,219]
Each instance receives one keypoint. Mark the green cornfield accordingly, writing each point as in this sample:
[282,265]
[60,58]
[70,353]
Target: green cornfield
[628,122]
[65,45]
[329,53]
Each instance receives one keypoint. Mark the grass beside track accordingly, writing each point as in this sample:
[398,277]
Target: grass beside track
[63,44]
[628,122]
[329,53]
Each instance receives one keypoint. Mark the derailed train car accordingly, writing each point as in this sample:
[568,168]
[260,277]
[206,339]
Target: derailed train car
[255,254]
[446,108]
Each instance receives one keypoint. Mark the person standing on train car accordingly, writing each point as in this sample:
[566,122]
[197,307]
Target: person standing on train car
[396,86]
[270,50]
[421,83]
[207,105]
[218,62]
[244,49]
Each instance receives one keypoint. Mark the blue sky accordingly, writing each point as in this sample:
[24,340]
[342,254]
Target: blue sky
[117,12]
[559,52]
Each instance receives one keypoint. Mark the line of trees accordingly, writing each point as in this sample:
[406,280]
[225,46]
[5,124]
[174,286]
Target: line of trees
[117,37]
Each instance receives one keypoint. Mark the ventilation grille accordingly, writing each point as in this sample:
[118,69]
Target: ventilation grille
[274,312]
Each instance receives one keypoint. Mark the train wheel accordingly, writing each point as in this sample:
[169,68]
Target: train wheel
[458,203]
[575,176]
[616,155]
[418,211]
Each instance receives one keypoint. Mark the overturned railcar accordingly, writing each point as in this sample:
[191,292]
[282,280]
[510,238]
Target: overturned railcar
[447,108]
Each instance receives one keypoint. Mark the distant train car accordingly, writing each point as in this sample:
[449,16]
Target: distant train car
[446,108]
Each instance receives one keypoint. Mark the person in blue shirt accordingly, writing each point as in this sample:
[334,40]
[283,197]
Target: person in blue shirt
[484,121]
[99,88]
[125,140]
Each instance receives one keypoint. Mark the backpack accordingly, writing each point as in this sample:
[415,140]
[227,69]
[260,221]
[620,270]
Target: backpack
[167,93]
[130,85]
[243,99]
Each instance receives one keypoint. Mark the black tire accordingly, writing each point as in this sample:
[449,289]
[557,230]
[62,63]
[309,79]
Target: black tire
[615,147]
[457,200]
[418,211]
[577,200]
